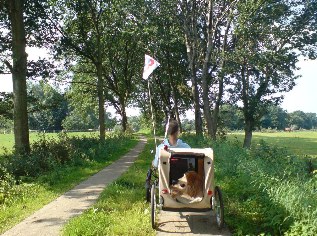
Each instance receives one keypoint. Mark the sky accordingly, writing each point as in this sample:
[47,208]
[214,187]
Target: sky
[303,96]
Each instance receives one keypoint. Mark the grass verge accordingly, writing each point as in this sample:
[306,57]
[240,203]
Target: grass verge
[30,194]
[267,190]
[121,208]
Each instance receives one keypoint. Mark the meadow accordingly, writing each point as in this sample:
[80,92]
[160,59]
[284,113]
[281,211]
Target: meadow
[297,142]
[7,140]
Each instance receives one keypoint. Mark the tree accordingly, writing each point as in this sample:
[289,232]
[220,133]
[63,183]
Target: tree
[275,118]
[104,39]
[82,33]
[188,125]
[22,25]
[190,12]
[302,120]
[206,29]
[312,117]
[124,55]
[264,59]
[6,111]
[231,117]
[47,107]
[164,40]
[18,68]
[83,110]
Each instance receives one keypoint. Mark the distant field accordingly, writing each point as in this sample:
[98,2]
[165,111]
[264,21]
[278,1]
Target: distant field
[300,142]
[7,140]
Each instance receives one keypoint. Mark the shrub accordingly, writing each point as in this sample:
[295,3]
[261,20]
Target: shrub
[50,155]
[6,183]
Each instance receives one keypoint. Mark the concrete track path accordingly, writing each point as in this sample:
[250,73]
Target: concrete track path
[189,223]
[50,219]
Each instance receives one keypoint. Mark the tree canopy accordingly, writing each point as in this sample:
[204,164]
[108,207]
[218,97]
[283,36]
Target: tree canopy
[222,59]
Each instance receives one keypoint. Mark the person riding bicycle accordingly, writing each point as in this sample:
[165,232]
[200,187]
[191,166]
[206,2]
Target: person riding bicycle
[172,141]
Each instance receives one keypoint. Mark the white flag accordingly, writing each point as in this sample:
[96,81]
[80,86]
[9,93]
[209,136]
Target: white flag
[149,66]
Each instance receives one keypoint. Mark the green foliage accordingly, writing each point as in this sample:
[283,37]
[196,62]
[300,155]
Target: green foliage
[7,181]
[6,125]
[188,125]
[6,105]
[48,154]
[302,120]
[275,118]
[47,107]
[266,189]
[231,117]
[121,208]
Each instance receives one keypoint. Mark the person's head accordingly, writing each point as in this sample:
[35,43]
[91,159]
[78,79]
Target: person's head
[173,129]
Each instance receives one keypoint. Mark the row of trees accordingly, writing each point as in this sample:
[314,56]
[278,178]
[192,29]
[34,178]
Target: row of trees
[212,53]
[49,109]
[52,110]
[275,118]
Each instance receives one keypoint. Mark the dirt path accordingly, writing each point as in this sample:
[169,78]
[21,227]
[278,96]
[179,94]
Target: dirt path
[188,223]
[50,219]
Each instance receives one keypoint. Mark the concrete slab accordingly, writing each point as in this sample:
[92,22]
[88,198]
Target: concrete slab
[189,223]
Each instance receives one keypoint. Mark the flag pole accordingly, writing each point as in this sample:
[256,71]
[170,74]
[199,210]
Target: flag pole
[152,114]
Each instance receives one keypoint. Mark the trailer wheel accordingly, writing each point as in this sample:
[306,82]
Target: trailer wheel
[153,206]
[218,207]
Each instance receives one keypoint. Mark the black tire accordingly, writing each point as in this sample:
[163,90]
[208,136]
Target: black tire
[153,206]
[219,208]
[148,185]
[148,194]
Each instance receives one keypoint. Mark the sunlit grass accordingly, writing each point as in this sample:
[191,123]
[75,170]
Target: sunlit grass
[7,140]
[298,142]
[121,208]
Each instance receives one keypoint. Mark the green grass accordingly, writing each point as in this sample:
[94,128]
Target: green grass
[121,208]
[31,195]
[267,190]
[7,140]
[298,142]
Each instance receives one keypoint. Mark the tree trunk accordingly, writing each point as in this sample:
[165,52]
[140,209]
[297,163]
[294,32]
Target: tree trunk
[19,70]
[207,111]
[173,87]
[198,119]
[195,93]
[207,108]
[101,103]
[178,120]
[124,121]
[248,133]
[176,107]
[221,83]
[191,39]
